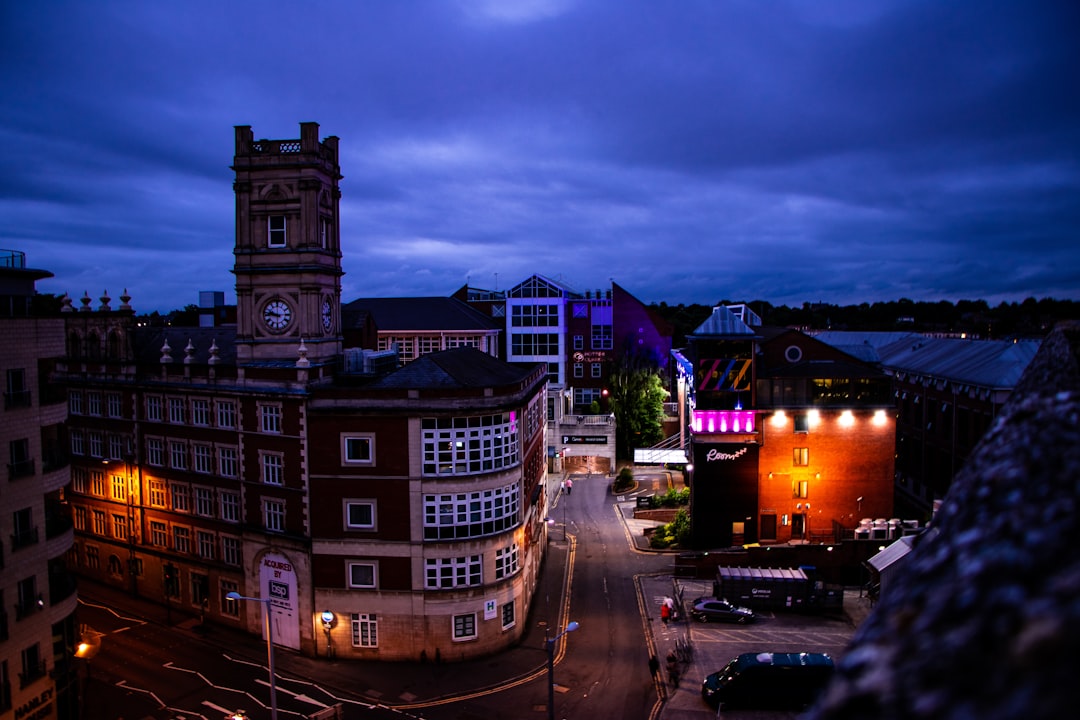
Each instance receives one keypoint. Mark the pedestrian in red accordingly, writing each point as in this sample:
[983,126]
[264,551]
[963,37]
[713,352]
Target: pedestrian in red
[665,612]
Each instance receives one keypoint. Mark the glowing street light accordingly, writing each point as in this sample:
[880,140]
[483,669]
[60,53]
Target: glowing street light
[549,645]
[269,647]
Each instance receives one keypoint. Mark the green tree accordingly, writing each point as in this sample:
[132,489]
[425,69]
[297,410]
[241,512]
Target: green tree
[637,401]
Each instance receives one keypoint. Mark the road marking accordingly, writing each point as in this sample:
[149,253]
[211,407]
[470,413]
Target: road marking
[297,696]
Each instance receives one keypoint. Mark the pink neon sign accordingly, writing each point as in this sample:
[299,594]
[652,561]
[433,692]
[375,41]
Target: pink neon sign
[723,421]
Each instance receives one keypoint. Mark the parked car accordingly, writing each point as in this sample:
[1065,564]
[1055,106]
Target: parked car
[709,609]
[789,681]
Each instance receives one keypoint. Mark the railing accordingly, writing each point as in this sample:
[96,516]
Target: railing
[12,259]
[17,399]
[31,674]
[56,523]
[23,468]
[23,539]
[26,609]
[61,587]
[587,420]
[54,461]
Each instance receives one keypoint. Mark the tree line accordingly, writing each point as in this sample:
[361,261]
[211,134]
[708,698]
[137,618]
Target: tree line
[975,318]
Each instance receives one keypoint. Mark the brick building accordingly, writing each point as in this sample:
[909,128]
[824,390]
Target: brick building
[38,601]
[789,439]
[264,459]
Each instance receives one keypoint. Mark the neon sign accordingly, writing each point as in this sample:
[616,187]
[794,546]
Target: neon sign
[723,421]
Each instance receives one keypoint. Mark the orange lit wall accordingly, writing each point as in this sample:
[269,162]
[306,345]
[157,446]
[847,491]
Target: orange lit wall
[846,460]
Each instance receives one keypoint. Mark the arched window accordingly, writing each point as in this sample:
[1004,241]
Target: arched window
[115,345]
[93,346]
[74,345]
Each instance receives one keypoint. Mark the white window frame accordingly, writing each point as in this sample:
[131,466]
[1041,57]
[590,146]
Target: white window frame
[114,405]
[231,551]
[453,572]
[205,543]
[180,497]
[351,442]
[365,630]
[202,458]
[204,500]
[464,627]
[181,539]
[225,410]
[200,412]
[350,577]
[274,510]
[506,561]
[349,504]
[272,468]
[227,462]
[508,615]
[230,506]
[277,231]
[270,418]
[153,408]
[155,452]
[178,455]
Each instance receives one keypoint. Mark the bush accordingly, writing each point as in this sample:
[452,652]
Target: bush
[624,480]
[672,498]
[673,534]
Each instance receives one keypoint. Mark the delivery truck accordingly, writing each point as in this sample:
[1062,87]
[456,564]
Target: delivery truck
[777,589]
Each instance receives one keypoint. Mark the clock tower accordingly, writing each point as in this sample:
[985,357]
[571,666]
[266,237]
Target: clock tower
[288,250]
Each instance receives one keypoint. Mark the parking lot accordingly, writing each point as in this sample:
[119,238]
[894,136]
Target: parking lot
[714,644]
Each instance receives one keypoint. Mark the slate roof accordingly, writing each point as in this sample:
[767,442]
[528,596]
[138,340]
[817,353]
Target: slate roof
[985,363]
[460,368]
[418,314]
[722,323]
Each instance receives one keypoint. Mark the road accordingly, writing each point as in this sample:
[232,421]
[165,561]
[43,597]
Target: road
[602,672]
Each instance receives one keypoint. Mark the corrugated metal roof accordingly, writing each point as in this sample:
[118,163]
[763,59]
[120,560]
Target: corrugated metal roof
[724,323]
[985,363]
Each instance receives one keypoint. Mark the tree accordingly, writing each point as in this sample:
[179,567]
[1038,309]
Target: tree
[637,401]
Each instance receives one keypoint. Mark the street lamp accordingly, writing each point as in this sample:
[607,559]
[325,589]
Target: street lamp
[327,618]
[269,647]
[549,645]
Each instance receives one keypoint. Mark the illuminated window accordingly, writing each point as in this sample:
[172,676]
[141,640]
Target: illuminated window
[801,457]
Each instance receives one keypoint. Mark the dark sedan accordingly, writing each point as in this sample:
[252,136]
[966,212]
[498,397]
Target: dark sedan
[709,609]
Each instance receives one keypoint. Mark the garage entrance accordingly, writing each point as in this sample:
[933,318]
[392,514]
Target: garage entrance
[587,464]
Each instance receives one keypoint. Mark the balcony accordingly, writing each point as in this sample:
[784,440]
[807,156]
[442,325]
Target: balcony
[17,399]
[57,545]
[27,537]
[32,673]
[27,608]
[62,585]
[20,469]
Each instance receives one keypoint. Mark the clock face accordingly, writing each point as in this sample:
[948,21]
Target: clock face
[327,315]
[277,314]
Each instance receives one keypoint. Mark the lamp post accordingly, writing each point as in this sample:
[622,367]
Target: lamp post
[269,647]
[549,645]
[327,618]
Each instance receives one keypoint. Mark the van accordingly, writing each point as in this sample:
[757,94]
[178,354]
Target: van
[788,681]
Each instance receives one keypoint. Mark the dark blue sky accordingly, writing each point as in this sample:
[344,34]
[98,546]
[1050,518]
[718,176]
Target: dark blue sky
[834,150]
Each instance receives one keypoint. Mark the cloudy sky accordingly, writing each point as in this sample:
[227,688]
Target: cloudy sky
[789,151]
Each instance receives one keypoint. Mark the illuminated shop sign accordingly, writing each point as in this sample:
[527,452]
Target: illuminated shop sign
[584,439]
[723,421]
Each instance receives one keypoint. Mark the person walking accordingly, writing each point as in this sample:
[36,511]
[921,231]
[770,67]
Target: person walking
[665,612]
[569,486]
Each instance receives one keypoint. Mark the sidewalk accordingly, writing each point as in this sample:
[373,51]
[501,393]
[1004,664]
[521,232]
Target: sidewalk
[406,686]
